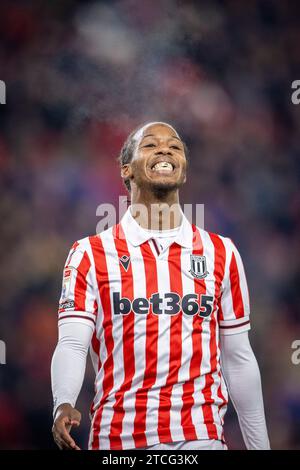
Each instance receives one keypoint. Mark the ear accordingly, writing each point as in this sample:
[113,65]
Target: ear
[126,171]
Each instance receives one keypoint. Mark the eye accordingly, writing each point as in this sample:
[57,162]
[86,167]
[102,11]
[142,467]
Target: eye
[175,147]
[149,145]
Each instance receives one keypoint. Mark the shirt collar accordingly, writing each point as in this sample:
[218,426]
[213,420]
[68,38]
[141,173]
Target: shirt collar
[136,235]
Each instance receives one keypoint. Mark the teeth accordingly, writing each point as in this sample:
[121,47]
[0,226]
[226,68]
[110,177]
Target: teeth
[166,166]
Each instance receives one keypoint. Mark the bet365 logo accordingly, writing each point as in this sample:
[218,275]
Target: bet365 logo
[2,92]
[2,352]
[169,304]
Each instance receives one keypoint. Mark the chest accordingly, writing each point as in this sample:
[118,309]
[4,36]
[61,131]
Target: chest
[176,282]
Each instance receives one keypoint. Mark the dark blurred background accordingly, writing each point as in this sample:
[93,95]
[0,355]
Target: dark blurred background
[80,76]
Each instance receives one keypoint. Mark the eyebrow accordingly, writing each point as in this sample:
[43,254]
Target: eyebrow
[172,137]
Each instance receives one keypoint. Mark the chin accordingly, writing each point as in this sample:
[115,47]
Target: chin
[165,186]
[161,185]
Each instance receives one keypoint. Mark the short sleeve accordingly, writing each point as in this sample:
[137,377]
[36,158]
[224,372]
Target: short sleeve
[234,307]
[78,300]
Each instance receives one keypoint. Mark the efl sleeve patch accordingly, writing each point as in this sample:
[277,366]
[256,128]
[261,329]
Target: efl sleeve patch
[69,277]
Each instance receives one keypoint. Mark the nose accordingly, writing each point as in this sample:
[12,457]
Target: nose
[163,150]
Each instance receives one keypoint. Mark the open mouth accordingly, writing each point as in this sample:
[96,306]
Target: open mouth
[163,167]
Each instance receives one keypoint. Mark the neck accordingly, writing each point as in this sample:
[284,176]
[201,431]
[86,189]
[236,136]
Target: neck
[156,210]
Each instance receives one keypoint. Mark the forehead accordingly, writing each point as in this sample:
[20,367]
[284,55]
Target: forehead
[159,130]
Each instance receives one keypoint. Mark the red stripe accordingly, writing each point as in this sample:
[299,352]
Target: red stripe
[95,340]
[237,299]
[95,344]
[175,348]
[81,283]
[150,351]
[104,291]
[200,288]
[128,344]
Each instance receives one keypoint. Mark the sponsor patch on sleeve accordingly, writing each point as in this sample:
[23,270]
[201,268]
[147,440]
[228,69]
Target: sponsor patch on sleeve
[66,285]
[67,305]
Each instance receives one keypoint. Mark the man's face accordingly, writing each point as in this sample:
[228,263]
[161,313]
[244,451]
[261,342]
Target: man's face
[159,162]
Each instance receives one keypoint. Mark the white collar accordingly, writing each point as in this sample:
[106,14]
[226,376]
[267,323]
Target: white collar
[136,235]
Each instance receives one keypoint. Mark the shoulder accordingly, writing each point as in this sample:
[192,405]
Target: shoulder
[216,238]
[81,244]
[86,241]
[222,245]
[90,242]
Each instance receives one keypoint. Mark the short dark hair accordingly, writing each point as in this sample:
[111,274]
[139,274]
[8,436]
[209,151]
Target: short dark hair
[127,152]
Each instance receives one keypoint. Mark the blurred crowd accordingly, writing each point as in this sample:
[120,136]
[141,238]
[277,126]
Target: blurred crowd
[80,76]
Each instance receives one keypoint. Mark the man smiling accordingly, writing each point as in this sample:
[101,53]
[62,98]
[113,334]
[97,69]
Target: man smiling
[160,303]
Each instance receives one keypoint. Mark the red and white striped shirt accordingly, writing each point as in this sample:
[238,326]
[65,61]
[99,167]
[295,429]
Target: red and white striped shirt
[157,317]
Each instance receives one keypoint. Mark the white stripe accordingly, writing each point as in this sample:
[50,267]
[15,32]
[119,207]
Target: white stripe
[90,293]
[226,298]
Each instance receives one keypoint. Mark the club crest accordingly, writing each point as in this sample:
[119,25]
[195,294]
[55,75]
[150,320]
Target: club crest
[198,266]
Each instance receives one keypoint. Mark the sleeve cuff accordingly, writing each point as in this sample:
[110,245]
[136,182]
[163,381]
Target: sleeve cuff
[62,401]
[77,317]
[232,327]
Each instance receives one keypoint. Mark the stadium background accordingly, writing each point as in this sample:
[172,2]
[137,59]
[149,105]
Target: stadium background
[80,76]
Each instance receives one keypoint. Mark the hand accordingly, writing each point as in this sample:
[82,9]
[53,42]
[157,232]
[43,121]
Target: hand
[65,417]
